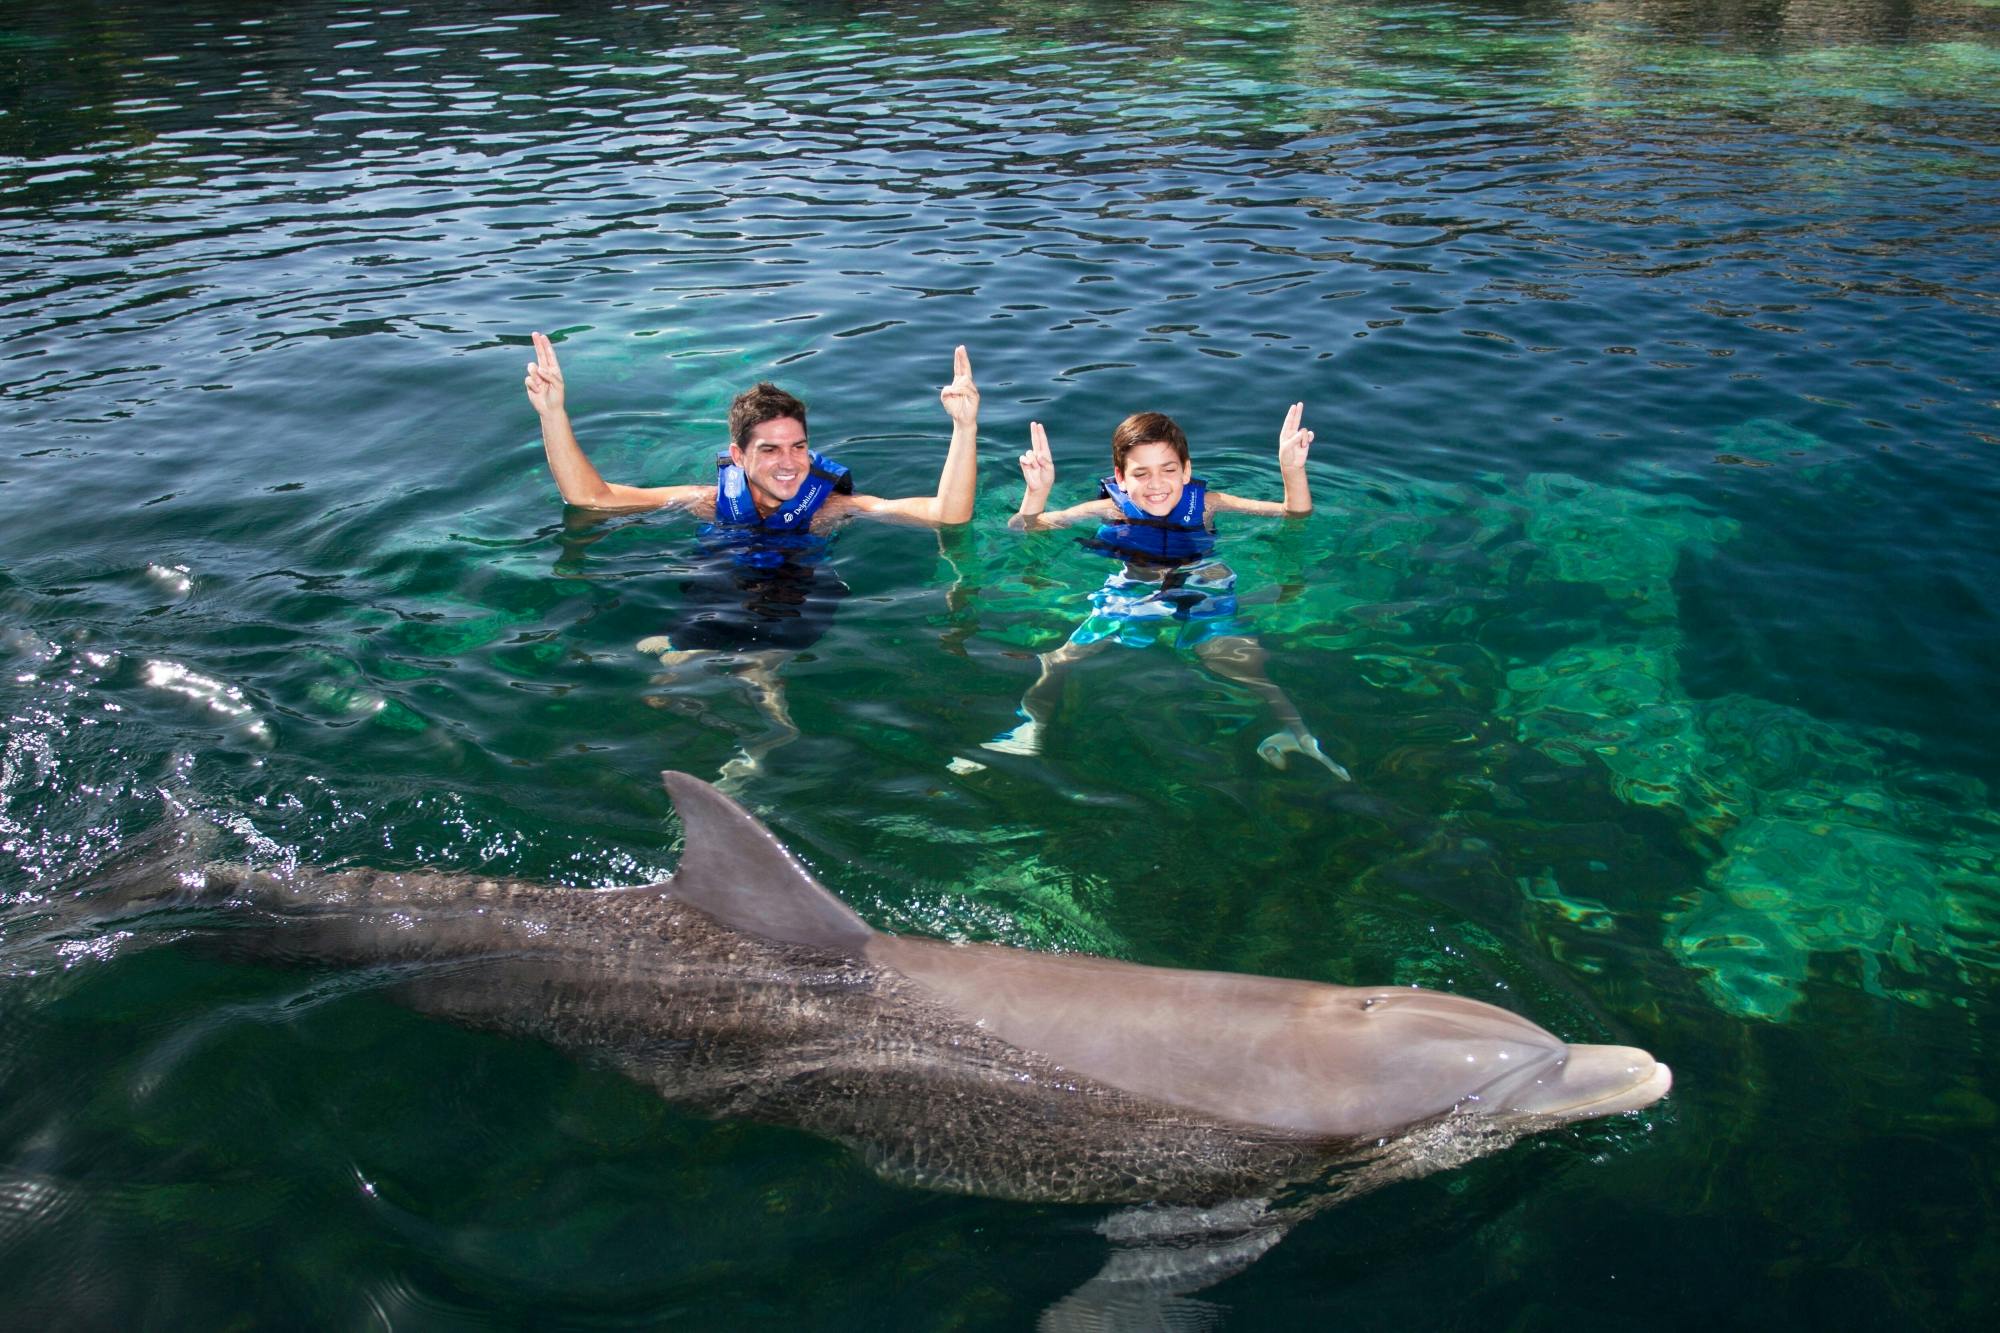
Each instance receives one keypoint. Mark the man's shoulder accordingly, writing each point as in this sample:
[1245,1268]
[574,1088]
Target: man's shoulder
[838,508]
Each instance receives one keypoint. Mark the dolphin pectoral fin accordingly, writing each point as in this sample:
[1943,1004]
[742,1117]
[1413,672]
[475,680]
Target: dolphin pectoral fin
[1091,1310]
[1159,1256]
[734,870]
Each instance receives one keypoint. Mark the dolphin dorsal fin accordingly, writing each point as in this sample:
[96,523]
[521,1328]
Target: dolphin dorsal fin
[734,870]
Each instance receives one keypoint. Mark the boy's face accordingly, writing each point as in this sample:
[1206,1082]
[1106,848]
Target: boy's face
[1154,477]
[775,460]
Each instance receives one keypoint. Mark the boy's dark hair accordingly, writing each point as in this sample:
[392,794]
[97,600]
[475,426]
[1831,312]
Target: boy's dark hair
[757,405]
[1145,428]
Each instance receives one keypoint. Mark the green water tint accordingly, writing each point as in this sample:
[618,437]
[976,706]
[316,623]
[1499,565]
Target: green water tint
[1229,70]
[1611,69]
[1821,843]
[344,693]
[1825,849]
[1024,899]
[1779,444]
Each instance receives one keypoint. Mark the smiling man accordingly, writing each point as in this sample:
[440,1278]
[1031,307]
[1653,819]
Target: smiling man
[759,595]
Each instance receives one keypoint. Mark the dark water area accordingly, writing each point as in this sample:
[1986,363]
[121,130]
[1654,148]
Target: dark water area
[1648,597]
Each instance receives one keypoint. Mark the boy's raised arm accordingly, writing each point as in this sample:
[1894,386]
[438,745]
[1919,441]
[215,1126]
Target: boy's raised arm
[1038,470]
[1294,443]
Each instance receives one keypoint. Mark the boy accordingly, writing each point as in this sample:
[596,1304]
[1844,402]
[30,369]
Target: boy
[1155,517]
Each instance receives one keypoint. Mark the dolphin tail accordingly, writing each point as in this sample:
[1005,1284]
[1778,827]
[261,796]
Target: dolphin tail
[158,869]
[734,870]
[162,865]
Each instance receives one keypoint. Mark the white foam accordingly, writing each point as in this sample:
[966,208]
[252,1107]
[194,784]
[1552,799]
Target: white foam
[173,579]
[99,949]
[219,697]
[17,642]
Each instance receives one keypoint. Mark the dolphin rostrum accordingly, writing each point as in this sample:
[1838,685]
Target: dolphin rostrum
[1226,1106]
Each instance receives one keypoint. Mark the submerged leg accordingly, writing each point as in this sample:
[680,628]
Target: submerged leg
[756,671]
[1038,705]
[1240,659]
[760,675]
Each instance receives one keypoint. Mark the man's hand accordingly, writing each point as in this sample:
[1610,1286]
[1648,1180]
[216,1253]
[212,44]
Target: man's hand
[1038,469]
[961,396]
[1293,443]
[545,381]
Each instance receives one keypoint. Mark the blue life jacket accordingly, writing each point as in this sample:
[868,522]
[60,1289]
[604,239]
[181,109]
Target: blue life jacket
[784,536]
[760,548]
[1174,539]
[734,508]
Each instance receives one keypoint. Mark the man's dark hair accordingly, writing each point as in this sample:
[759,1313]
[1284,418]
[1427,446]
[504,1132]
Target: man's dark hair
[1145,428]
[757,405]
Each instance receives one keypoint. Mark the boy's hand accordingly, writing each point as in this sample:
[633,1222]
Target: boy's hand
[1038,469]
[961,396]
[545,381]
[1293,443]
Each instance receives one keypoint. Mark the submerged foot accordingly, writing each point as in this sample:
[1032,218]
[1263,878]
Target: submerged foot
[1024,739]
[742,766]
[662,647]
[1278,748]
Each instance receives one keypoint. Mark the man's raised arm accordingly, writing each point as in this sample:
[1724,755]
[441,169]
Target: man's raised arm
[578,481]
[959,482]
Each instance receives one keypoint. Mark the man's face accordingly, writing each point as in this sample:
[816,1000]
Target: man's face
[1154,477]
[774,461]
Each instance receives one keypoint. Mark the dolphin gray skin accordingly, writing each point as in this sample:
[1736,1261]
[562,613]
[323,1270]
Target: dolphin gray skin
[1224,1106]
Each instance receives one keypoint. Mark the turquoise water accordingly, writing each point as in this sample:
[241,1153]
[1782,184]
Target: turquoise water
[1648,596]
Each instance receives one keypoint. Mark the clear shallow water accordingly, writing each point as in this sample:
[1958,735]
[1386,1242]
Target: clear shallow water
[1648,597]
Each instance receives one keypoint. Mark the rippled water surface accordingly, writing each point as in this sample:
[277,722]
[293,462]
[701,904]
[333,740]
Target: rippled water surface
[1649,597]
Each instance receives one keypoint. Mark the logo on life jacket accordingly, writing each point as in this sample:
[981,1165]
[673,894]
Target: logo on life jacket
[734,506]
[1177,538]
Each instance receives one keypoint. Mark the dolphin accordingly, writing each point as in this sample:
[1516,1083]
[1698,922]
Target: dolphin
[1216,1108]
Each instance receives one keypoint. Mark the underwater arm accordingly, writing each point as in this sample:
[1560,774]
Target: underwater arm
[578,481]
